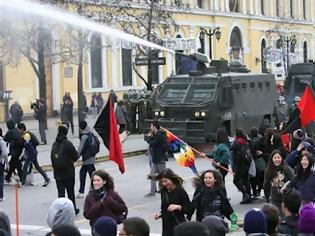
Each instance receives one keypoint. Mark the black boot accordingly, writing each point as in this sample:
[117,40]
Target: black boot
[246,199]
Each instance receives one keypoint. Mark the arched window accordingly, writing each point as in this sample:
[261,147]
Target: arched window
[277,8]
[155,68]
[279,44]
[262,57]
[304,9]
[236,44]
[262,7]
[234,5]
[200,3]
[96,61]
[305,51]
[292,47]
[126,63]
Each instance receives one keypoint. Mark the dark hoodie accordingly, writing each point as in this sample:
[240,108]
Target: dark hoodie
[5,224]
[14,138]
[66,150]
[156,143]
[289,226]
[241,153]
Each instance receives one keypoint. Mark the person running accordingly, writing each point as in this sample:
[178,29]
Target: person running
[3,162]
[156,139]
[63,155]
[241,163]
[277,174]
[221,152]
[30,144]
[175,203]
[103,200]
[210,196]
[14,138]
[88,159]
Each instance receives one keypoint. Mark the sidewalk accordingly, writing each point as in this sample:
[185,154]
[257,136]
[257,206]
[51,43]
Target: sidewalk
[134,144]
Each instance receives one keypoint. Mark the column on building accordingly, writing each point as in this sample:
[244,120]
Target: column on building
[56,80]
[310,10]
[115,50]
[226,6]
[104,63]
[251,7]
[257,10]
[214,5]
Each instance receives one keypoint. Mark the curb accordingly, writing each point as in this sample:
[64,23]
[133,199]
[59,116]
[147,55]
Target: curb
[48,168]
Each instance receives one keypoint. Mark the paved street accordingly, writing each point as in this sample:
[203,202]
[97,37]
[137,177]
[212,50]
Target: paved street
[34,201]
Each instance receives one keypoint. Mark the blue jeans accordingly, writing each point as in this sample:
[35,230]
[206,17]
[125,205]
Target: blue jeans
[1,179]
[32,160]
[85,169]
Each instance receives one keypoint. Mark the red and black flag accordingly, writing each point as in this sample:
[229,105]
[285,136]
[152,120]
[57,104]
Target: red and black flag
[304,113]
[106,127]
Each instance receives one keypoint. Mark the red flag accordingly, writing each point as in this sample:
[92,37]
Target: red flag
[307,107]
[106,127]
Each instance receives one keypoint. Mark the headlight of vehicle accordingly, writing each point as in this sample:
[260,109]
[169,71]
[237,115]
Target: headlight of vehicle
[162,113]
[156,113]
[203,114]
[197,114]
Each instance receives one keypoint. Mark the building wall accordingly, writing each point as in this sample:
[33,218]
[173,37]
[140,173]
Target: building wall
[253,25]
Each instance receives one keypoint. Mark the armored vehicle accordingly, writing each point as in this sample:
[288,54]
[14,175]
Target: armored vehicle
[299,76]
[195,105]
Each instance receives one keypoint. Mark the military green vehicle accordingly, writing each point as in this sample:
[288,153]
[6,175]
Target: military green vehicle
[193,106]
[299,76]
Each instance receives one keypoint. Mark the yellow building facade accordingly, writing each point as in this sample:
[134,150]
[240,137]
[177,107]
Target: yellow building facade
[249,32]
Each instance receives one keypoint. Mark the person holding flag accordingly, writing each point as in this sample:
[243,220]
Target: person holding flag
[157,146]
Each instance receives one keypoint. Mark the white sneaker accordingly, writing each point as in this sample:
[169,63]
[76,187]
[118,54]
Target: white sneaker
[80,195]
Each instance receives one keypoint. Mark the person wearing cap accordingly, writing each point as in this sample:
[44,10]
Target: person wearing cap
[87,158]
[255,222]
[216,225]
[64,151]
[104,226]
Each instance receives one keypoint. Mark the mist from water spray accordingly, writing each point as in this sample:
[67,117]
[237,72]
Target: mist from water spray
[62,16]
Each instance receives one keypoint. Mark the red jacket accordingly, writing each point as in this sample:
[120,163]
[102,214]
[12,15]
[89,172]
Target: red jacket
[111,206]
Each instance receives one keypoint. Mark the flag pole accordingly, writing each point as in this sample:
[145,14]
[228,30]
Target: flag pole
[200,153]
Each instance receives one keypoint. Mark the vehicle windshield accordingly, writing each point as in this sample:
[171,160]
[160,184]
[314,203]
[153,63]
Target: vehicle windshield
[300,84]
[187,93]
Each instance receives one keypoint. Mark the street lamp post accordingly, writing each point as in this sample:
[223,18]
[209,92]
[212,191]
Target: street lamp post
[289,41]
[210,33]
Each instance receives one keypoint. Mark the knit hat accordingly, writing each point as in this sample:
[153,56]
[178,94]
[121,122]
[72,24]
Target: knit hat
[61,211]
[105,226]
[255,222]
[191,229]
[82,125]
[216,225]
[307,219]
[5,224]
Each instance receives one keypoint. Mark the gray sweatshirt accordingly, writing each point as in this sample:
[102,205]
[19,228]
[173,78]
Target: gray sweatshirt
[83,148]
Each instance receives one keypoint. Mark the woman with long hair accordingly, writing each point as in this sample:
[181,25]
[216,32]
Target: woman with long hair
[305,178]
[175,203]
[277,174]
[210,196]
[103,200]
[221,152]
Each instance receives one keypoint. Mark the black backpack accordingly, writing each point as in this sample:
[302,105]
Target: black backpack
[243,154]
[93,144]
[58,161]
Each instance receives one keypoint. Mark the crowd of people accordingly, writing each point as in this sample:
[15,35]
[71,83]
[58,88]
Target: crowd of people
[264,162]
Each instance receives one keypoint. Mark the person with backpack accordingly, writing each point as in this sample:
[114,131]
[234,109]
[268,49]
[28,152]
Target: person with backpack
[30,144]
[158,146]
[63,155]
[16,112]
[89,147]
[241,162]
[3,162]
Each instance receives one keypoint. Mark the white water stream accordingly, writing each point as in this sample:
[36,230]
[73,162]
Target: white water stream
[48,12]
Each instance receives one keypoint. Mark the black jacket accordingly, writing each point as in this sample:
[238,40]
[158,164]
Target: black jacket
[156,143]
[289,226]
[69,152]
[211,202]
[169,220]
[14,138]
